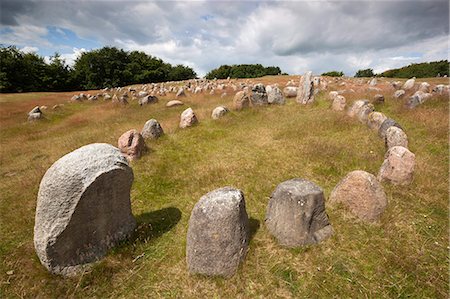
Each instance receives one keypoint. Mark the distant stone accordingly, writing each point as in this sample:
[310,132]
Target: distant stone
[396,84]
[83,208]
[131,144]
[152,130]
[259,95]
[409,84]
[399,93]
[106,97]
[76,98]
[305,93]
[148,100]
[188,118]
[142,94]
[364,112]
[296,214]
[441,89]
[339,103]
[174,103]
[378,99]
[362,194]
[290,91]
[218,112]
[332,95]
[224,94]
[35,114]
[57,107]
[275,96]
[424,87]
[92,98]
[375,120]
[241,100]
[389,122]
[398,166]
[395,137]
[373,82]
[180,93]
[356,107]
[418,98]
[218,233]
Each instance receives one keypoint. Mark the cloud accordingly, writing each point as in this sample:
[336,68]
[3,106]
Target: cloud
[28,49]
[297,36]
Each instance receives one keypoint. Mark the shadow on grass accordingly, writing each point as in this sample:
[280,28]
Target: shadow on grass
[154,224]
[253,226]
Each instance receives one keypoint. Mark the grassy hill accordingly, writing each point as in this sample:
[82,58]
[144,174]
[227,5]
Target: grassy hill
[419,70]
[405,255]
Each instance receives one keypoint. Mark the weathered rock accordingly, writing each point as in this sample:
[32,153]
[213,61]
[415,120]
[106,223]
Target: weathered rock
[362,194]
[409,84]
[356,107]
[375,120]
[296,214]
[275,96]
[290,91]
[373,82]
[148,100]
[174,103]
[218,233]
[441,89]
[218,112]
[83,208]
[424,87]
[152,130]
[188,118]
[305,94]
[418,98]
[378,99]
[399,93]
[395,137]
[332,95]
[76,98]
[180,93]
[339,103]
[35,114]
[396,84]
[142,94]
[241,100]
[259,95]
[364,112]
[398,166]
[387,123]
[131,144]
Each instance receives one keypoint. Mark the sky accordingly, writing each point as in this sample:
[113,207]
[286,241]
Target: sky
[297,36]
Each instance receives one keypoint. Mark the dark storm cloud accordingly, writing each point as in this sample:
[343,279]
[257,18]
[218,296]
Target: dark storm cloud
[9,10]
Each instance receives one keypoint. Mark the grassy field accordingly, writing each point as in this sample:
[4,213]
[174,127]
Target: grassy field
[404,255]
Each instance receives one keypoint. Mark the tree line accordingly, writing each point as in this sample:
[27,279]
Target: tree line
[418,70]
[105,67]
[243,71]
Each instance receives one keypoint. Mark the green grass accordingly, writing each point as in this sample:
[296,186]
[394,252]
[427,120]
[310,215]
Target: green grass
[404,255]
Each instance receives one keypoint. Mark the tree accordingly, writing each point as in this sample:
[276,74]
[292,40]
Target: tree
[243,71]
[365,73]
[333,74]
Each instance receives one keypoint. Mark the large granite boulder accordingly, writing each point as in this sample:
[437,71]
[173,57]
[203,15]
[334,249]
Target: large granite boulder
[290,91]
[188,118]
[152,130]
[241,100]
[339,103]
[395,137]
[218,233]
[259,95]
[409,84]
[375,120]
[148,100]
[275,96]
[387,123]
[131,144]
[296,214]
[356,107]
[305,93]
[83,208]
[218,112]
[35,114]
[398,166]
[362,194]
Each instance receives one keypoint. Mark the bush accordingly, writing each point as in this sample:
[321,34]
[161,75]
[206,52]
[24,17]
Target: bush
[419,70]
[243,71]
[333,74]
[365,73]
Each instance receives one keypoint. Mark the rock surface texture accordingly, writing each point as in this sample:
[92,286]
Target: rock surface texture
[188,118]
[296,214]
[362,194]
[398,166]
[83,208]
[305,93]
[241,100]
[396,137]
[218,112]
[259,95]
[218,233]
[152,129]
[131,144]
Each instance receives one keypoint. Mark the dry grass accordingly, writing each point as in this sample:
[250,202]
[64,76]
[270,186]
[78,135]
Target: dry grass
[405,255]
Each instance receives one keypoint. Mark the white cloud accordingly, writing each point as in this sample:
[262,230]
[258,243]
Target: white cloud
[28,49]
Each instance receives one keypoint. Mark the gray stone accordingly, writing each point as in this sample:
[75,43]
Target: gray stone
[362,194]
[356,107]
[259,95]
[174,103]
[378,99]
[395,137]
[218,233]
[305,93]
[241,100]
[148,100]
[389,122]
[296,214]
[83,208]
[180,93]
[375,120]
[275,96]
[218,112]
[399,93]
[419,97]
[398,166]
[373,82]
[152,130]
[424,87]
[290,91]
[35,114]
[364,112]
[409,83]
[339,103]
[332,95]
[188,118]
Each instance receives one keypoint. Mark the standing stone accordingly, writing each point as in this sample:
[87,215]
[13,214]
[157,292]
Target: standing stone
[305,93]
[35,114]
[398,166]
[180,93]
[241,100]
[218,233]
[399,93]
[389,122]
[356,107]
[218,112]
[83,208]
[395,137]
[259,95]
[373,82]
[378,99]
[338,103]
[290,91]
[409,83]
[148,100]
[152,130]
[188,118]
[375,120]
[131,144]
[362,194]
[275,96]
[296,214]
